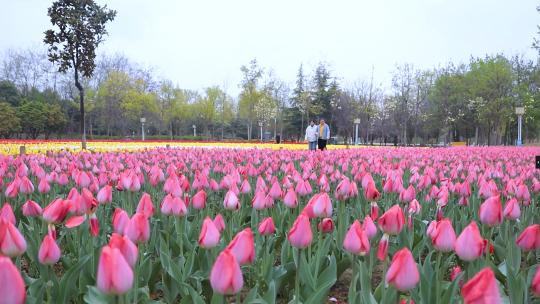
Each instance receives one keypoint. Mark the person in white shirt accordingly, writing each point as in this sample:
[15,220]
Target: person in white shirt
[312,134]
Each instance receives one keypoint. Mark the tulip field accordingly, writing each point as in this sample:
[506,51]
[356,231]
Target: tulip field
[229,225]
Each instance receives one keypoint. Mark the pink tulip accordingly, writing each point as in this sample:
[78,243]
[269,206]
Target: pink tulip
[444,237]
[199,200]
[49,252]
[322,205]
[369,227]
[326,225]
[535,283]
[146,206]
[356,240]
[529,239]
[120,220]
[6,214]
[522,194]
[104,195]
[231,201]
[482,288]
[343,189]
[391,222]
[12,190]
[226,276]
[43,186]
[259,201]
[114,274]
[371,193]
[56,211]
[31,209]
[469,244]
[174,206]
[408,194]
[219,222]
[243,247]
[126,247]
[12,286]
[290,200]
[403,272]
[511,210]
[490,212]
[12,242]
[456,270]
[266,227]
[138,228]
[210,235]
[26,186]
[300,235]
[382,249]
[275,191]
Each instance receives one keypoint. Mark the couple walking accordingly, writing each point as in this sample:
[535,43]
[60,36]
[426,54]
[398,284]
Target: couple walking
[317,135]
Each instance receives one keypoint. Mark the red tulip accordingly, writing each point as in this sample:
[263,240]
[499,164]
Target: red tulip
[243,247]
[469,244]
[300,235]
[535,284]
[199,200]
[482,288]
[49,252]
[104,195]
[226,276]
[209,236]
[444,237]
[403,272]
[145,205]
[120,220]
[529,239]
[12,286]
[490,212]
[94,224]
[266,227]
[7,215]
[326,225]
[356,240]
[126,247]
[12,242]
[31,209]
[219,222]
[138,228]
[114,274]
[391,222]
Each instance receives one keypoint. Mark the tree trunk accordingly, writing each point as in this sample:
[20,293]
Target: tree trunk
[81,105]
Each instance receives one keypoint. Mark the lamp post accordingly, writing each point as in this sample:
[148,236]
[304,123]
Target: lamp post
[194,130]
[519,112]
[261,126]
[143,120]
[356,123]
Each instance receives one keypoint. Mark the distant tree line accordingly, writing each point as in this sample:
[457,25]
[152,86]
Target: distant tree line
[473,102]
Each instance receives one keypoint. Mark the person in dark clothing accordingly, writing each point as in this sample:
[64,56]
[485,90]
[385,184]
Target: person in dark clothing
[324,135]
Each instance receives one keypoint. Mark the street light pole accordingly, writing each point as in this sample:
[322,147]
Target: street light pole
[261,126]
[143,120]
[194,130]
[519,112]
[356,122]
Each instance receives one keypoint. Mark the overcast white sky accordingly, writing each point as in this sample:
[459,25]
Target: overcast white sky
[202,43]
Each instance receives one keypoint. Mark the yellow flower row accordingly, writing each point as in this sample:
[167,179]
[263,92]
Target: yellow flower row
[36,147]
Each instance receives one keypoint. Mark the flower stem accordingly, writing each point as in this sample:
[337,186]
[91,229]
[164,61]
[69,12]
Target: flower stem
[297,280]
